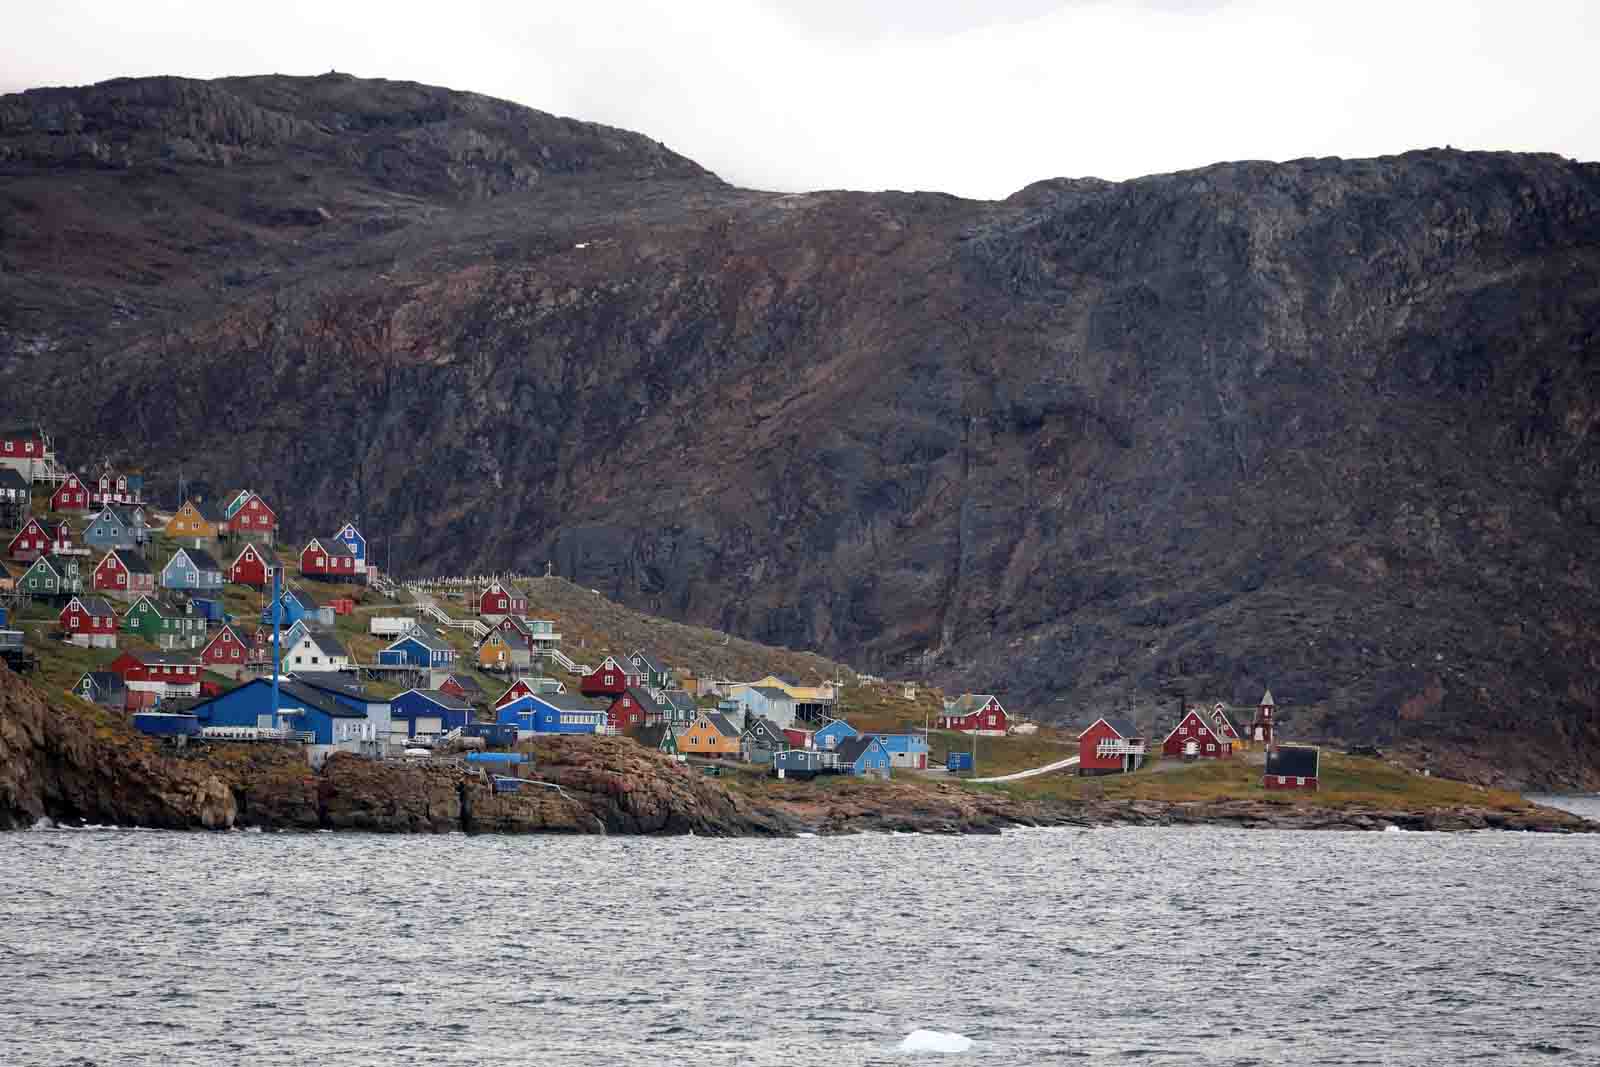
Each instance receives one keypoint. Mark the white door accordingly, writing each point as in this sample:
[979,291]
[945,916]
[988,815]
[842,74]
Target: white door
[430,724]
[1192,748]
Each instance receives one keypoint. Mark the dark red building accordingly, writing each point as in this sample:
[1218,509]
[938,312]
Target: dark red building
[979,713]
[330,560]
[610,679]
[1194,738]
[226,649]
[1292,767]
[254,517]
[253,566]
[89,616]
[497,598]
[70,495]
[1110,746]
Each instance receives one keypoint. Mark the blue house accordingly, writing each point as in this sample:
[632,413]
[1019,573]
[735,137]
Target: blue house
[428,712]
[297,605]
[193,569]
[906,750]
[329,726]
[349,694]
[108,528]
[553,713]
[833,733]
[759,701]
[355,543]
[862,755]
[419,650]
[798,763]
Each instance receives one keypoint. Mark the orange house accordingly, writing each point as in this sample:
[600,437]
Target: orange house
[711,734]
[193,521]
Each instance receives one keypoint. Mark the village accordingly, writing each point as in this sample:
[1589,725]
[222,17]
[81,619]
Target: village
[193,624]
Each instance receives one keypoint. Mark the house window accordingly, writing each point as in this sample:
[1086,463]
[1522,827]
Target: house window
[9,446]
[1211,748]
[27,446]
[72,621]
[1282,780]
[1299,781]
[1183,731]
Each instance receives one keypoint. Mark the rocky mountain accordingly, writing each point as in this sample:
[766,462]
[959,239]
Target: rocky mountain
[1323,425]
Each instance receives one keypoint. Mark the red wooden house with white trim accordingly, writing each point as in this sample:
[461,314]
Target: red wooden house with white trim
[1194,738]
[161,673]
[497,600]
[254,519]
[90,621]
[1222,726]
[115,487]
[123,572]
[612,678]
[30,542]
[979,713]
[226,649]
[329,559]
[1110,746]
[253,566]
[522,687]
[70,495]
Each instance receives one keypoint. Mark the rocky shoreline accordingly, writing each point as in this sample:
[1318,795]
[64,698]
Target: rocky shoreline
[71,764]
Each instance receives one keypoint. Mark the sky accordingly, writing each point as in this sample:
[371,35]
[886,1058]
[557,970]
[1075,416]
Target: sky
[974,98]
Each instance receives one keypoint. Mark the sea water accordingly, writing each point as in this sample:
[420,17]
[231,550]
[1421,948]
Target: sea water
[1155,946]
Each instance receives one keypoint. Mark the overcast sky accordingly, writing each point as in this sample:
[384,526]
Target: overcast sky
[976,98]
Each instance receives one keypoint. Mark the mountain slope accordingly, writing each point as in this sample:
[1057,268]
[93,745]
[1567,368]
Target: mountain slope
[1322,425]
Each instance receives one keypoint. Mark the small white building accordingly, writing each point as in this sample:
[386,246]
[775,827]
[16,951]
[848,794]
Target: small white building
[316,651]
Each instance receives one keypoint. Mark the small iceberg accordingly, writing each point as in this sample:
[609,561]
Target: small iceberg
[935,1041]
[1392,829]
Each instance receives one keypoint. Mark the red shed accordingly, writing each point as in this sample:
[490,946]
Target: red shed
[979,713]
[124,572]
[610,679]
[70,495]
[226,648]
[342,605]
[1193,738]
[253,566]
[800,738]
[92,618]
[158,672]
[30,542]
[330,560]
[1110,746]
[1292,767]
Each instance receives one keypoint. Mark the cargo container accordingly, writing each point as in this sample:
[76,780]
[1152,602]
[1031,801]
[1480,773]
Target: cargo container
[958,761]
[343,605]
[2,617]
[494,733]
[166,724]
[497,757]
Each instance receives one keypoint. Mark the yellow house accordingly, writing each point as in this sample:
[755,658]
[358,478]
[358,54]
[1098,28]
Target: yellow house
[503,651]
[194,521]
[802,694]
[711,734]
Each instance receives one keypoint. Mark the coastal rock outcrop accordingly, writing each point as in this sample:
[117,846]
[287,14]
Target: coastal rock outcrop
[81,765]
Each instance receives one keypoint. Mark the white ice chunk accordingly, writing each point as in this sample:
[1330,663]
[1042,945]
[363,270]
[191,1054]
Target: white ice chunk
[935,1041]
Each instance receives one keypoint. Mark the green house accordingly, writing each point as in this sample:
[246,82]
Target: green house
[165,626]
[52,576]
[661,738]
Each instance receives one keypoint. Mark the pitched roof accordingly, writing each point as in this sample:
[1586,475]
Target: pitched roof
[444,700]
[1266,698]
[201,559]
[677,698]
[208,511]
[10,479]
[262,551]
[314,698]
[652,736]
[1294,761]
[644,660]
[569,702]
[132,562]
[770,693]
[334,547]
[645,699]
[761,724]
[104,679]
[720,723]
[467,682]
[851,748]
[306,600]
[332,682]
[96,605]
[325,640]
[967,703]
[1124,728]
[427,640]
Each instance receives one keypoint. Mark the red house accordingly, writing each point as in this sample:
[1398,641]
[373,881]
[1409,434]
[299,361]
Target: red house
[979,713]
[225,649]
[626,713]
[160,673]
[254,518]
[462,687]
[522,687]
[330,560]
[113,487]
[1194,738]
[1110,746]
[123,572]
[30,542]
[18,447]
[70,495]
[1221,726]
[90,621]
[498,599]
[511,624]
[1292,767]
[253,566]
[610,679]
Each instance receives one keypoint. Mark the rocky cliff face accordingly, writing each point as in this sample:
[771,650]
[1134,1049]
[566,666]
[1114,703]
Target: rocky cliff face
[1324,426]
[79,769]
